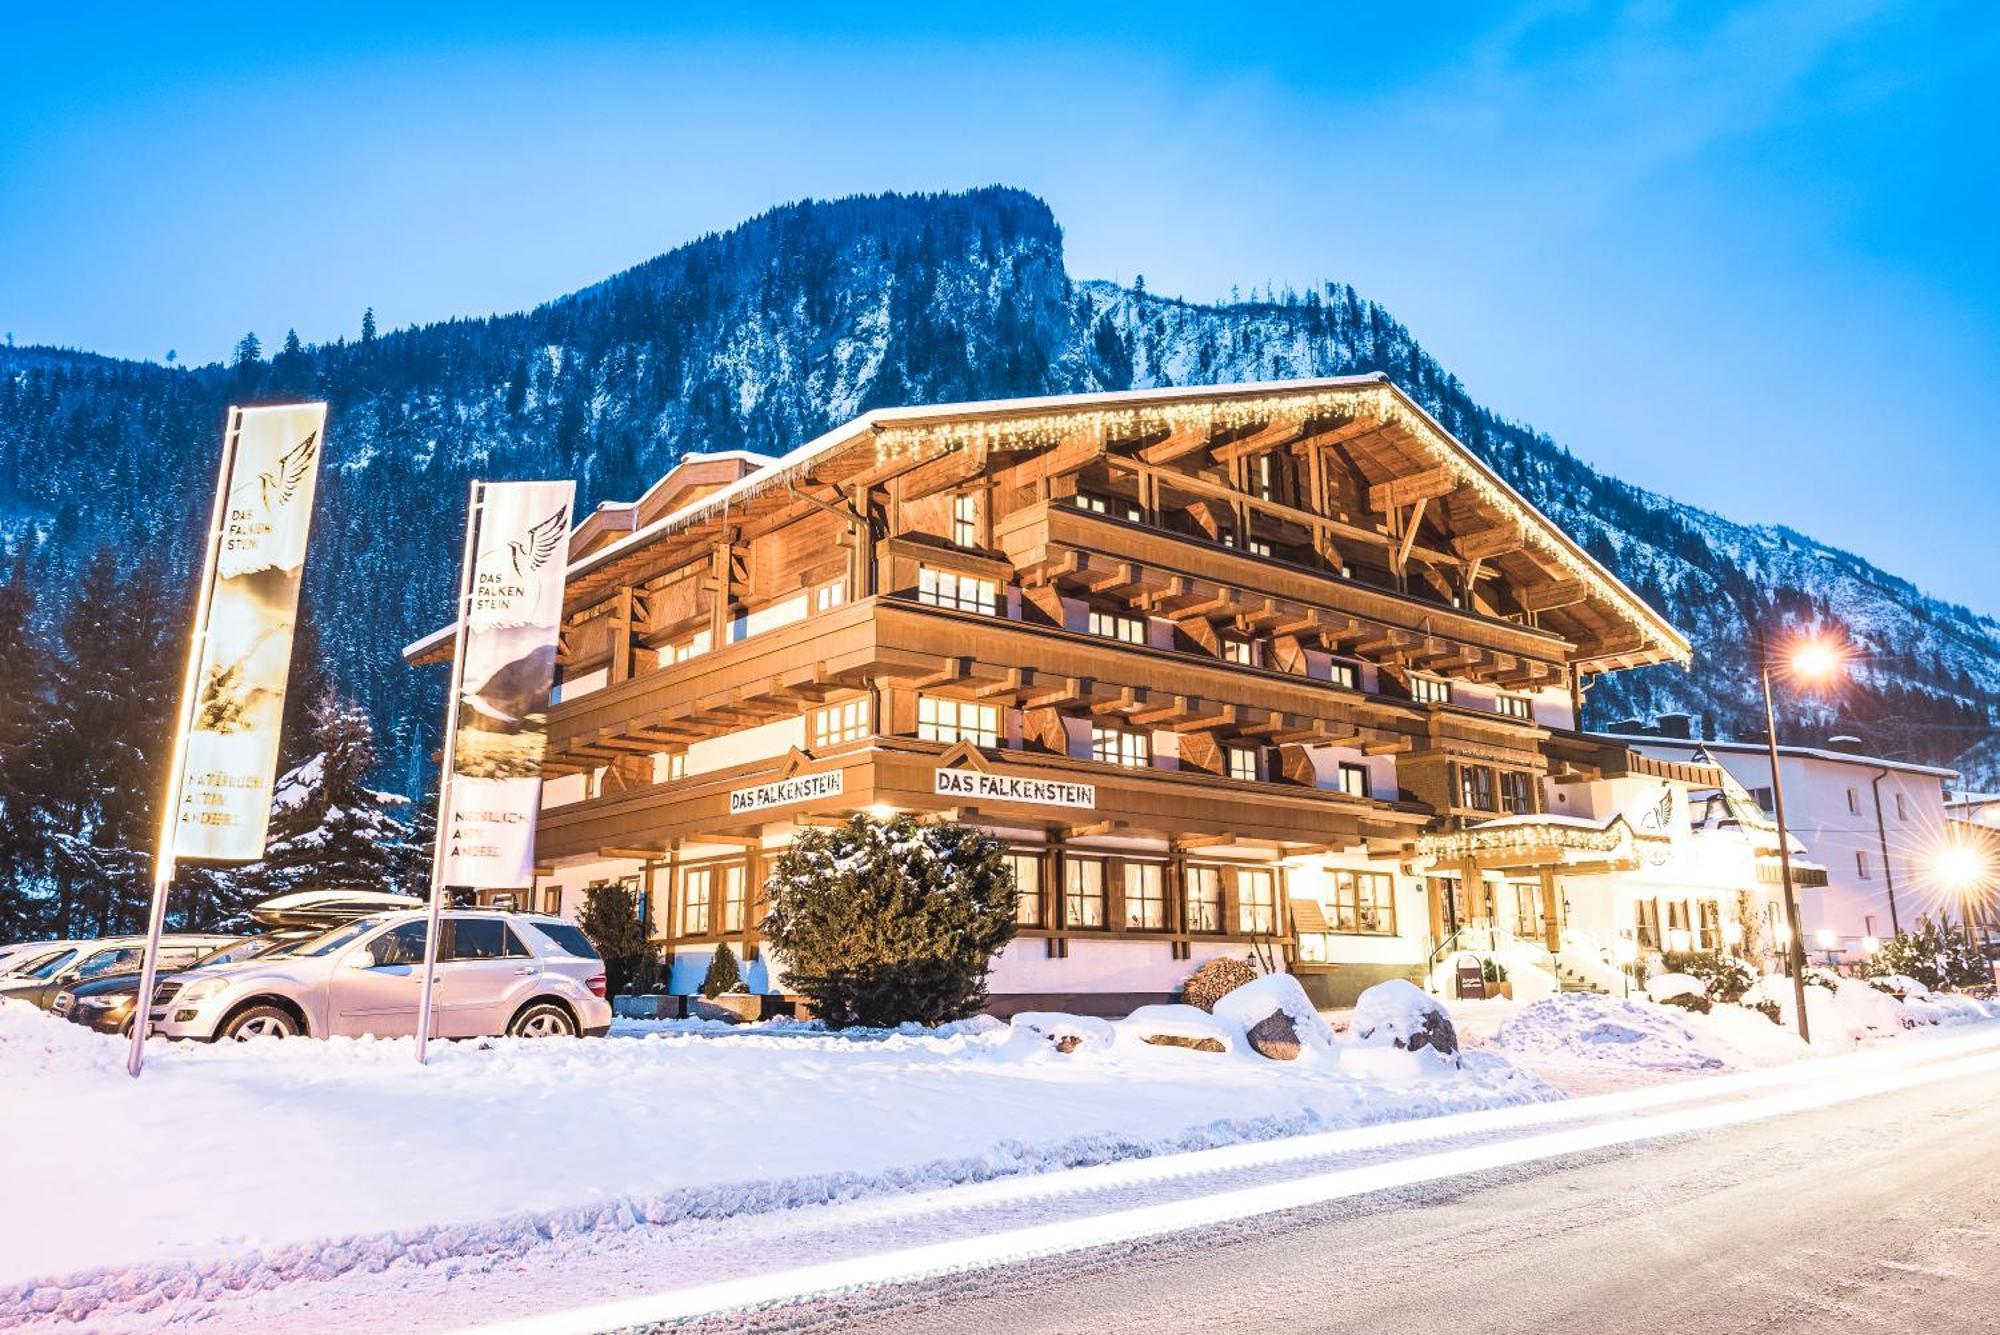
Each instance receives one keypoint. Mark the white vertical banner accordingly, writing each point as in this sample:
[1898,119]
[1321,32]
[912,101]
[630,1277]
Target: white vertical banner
[223,765]
[243,633]
[504,677]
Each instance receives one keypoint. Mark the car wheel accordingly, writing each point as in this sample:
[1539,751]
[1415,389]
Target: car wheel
[544,1019]
[260,1022]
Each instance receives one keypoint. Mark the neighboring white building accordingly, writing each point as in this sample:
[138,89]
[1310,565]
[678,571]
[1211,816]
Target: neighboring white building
[1874,824]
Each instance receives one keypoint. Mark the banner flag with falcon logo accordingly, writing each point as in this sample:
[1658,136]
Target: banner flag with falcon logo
[504,676]
[243,631]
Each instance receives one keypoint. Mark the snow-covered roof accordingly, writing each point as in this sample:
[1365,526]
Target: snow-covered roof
[788,468]
[1642,740]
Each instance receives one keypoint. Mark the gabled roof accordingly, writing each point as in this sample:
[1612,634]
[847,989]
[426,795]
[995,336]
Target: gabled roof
[1390,436]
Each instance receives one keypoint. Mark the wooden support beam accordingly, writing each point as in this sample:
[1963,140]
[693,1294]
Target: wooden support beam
[1546,597]
[1412,489]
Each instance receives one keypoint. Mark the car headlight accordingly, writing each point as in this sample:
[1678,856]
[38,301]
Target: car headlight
[202,991]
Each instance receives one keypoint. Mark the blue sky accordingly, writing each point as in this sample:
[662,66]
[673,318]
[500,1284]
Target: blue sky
[1741,254]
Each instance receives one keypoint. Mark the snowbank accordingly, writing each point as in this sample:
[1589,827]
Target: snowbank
[1586,1028]
[1666,986]
[368,1160]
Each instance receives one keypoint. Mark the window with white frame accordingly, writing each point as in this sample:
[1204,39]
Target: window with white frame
[1115,746]
[1204,898]
[1353,779]
[1132,630]
[1344,674]
[965,520]
[1145,885]
[697,900]
[1236,649]
[1083,892]
[1256,902]
[942,719]
[830,595]
[1026,869]
[1514,706]
[948,588]
[846,721]
[1430,690]
[1242,762]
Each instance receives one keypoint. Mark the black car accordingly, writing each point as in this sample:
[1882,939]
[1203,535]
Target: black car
[87,961]
[105,1003]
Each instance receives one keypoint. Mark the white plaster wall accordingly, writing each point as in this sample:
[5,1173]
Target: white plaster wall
[562,791]
[1310,878]
[737,748]
[1327,761]
[582,684]
[572,880]
[1097,966]
[768,617]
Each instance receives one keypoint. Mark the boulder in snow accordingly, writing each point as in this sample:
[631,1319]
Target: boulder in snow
[1277,1017]
[1400,1015]
[1064,1032]
[1182,1027]
[1899,986]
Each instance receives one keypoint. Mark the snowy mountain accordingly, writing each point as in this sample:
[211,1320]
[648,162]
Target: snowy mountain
[763,336]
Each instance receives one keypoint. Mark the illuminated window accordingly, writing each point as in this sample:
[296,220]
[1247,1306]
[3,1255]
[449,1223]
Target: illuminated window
[1083,892]
[1238,650]
[948,588]
[697,898]
[1027,872]
[1430,690]
[1242,762]
[1146,896]
[1115,746]
[1204,898]
[1256,902]
[1343,674]
[843,722]
[1258,547]
[1363,902]
[1264,476]
[1514,706]
[1354,779]
[940,719]
[965,520]
[829,596]
[735,896]
[1132,630]
[670,766]
[1099,505]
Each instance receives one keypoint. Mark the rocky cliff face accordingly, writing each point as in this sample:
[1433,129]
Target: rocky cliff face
[766,335]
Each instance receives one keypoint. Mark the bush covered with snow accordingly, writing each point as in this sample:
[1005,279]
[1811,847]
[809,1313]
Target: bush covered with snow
[1668,986]
[1399,1014]
[1935,955]
[885,922]
[1728,976]
[1216,979]
[1899,986]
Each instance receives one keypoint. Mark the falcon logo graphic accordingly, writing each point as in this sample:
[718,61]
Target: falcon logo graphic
[531,553]
[281,483]
[1661,817]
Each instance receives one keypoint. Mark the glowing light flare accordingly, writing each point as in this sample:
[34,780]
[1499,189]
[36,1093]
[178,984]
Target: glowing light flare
[1827,938]
[1959,868]
[1816,660]
[1626,949]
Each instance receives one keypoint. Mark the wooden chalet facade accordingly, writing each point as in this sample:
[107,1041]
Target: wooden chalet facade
[1214,662]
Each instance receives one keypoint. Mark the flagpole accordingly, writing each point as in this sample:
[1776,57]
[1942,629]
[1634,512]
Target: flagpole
[164,862]
[473,505]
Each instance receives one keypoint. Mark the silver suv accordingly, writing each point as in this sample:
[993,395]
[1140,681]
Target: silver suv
[498,973]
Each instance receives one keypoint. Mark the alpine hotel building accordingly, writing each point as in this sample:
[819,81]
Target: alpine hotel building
[1277,668]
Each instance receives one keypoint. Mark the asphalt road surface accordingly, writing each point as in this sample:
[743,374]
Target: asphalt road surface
[1876,1215]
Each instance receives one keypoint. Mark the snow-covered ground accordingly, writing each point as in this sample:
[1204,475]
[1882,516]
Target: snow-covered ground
[248,1166]
[238,1163]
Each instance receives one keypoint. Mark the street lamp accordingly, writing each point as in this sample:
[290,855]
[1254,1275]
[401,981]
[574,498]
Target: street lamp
[1811,660]
[1962,870]
[1627,951]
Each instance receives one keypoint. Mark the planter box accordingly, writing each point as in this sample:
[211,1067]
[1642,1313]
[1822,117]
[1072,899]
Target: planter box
[652,1006]
[734,1007]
